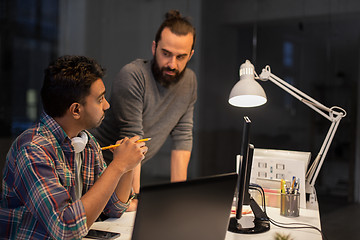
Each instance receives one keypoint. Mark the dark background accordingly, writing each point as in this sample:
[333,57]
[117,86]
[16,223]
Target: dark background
[314,45]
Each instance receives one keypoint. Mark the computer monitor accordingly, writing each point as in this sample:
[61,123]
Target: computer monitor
[247,224]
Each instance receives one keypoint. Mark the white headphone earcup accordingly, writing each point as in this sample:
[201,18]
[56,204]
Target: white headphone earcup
[79,143]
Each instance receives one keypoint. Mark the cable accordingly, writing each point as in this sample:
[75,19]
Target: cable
[262,193]
[283,225]
[299,226]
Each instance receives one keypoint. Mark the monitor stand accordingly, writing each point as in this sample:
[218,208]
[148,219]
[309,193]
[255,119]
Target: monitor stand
[260,221]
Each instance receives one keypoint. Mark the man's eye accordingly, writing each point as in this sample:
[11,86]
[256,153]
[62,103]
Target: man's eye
[180,57]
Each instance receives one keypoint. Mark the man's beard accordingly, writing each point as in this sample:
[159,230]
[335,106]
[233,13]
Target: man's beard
[164,79]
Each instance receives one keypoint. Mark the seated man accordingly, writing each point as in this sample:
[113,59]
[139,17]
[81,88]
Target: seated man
[55,181]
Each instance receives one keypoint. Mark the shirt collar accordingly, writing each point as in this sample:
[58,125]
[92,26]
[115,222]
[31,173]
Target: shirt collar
[59,133]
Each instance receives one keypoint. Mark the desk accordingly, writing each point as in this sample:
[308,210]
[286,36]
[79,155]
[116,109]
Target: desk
[125,224]
[307,216]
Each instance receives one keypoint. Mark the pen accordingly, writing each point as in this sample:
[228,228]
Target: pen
[297,183]
[282,186]
[116,145]
[233,211]
[292,185]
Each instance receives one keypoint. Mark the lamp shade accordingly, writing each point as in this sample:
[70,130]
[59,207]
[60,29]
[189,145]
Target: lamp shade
[247,92]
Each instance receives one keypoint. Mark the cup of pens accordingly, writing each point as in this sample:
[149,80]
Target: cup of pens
[290,199]
[290,204]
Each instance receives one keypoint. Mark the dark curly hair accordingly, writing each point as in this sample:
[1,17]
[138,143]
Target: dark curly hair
[177,24]
[67,80]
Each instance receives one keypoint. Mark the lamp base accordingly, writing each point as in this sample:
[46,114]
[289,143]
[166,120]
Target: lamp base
[259,226]
[311,198]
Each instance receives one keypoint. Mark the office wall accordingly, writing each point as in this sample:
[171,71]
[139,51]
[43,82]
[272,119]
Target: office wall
[324,39]
[117,32]
[28,41]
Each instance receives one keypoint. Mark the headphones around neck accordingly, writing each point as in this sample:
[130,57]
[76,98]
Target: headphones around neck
[79,143]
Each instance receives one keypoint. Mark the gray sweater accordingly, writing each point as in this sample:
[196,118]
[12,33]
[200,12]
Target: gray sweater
[139,105]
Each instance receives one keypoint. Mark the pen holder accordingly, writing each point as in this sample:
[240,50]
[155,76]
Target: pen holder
[290,204]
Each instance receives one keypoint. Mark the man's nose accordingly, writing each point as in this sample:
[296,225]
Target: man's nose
[106,104]
[172,63]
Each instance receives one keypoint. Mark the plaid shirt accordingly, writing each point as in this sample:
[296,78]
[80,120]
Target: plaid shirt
[38,185]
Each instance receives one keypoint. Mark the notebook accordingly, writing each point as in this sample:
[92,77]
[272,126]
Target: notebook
[194,209]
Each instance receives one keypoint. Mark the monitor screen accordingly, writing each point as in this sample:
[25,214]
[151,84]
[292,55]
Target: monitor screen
[259,222]
[244,169]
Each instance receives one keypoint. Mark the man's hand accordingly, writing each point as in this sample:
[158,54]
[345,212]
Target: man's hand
[133,205]
[129,154]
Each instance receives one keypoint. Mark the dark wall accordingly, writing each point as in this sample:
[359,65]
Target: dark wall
[318,55]
[323,42]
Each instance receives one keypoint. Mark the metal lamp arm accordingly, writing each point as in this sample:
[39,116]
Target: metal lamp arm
[302,97]
[314,169]
[332,115]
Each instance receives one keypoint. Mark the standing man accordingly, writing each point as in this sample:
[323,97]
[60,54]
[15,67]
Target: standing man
[155,98]
[55,181]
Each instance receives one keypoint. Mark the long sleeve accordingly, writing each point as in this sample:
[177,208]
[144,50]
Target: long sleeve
[37,180]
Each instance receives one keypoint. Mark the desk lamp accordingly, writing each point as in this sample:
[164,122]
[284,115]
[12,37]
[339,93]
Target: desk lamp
[248,93]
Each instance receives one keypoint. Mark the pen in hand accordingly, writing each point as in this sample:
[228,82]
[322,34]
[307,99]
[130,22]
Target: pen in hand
[116,145]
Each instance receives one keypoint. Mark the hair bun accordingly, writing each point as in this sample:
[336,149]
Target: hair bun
[172,14]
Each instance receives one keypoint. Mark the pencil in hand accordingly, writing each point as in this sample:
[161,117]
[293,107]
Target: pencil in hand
[116,145]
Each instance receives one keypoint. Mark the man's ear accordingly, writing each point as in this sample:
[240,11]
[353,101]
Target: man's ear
[153,48]
[75,109]
[191,54]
